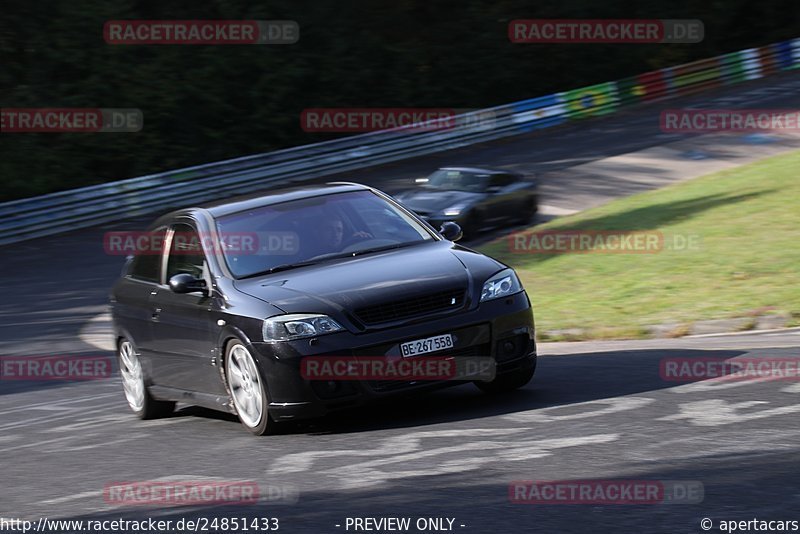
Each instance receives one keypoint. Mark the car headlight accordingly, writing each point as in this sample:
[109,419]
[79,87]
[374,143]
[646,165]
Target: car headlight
[500,285]
[298,326]
[454,211]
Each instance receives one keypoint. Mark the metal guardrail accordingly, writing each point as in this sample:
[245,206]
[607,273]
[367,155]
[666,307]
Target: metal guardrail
[79,208]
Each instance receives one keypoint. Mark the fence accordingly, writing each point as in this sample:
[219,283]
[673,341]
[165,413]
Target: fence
[79,208]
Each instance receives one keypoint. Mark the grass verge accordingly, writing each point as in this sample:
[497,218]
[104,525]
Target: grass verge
[731,248]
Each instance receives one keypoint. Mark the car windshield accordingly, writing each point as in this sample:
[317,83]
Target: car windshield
[458,181]
[311,230]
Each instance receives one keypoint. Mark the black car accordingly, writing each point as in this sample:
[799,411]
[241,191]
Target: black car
[477,199]
[338,269]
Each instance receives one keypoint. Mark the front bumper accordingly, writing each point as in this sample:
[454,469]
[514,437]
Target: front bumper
[502,329]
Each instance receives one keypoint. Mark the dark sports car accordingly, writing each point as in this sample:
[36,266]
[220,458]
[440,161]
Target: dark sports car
[235,297]
[476,199]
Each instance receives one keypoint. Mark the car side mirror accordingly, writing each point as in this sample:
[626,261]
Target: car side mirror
[186,283]
[451,231]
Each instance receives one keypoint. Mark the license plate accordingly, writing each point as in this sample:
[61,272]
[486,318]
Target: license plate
[429,344]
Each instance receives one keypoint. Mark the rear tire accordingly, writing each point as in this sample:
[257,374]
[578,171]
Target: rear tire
[507,383]
[139,399]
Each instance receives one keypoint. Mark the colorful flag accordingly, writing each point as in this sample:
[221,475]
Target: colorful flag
[594,100]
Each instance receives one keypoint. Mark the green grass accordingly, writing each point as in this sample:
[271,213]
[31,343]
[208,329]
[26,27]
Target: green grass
[747,260]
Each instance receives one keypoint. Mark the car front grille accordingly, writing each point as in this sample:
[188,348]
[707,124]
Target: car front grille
[450,300]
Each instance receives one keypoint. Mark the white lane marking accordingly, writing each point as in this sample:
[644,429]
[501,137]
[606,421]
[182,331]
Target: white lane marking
[766,332]
[36,444]
[716,384]
[47,419]
[99,493]
[166,422]
[732,381]
[523,449]
[717,412]
[546,209]
[74,497]
[367,474]
[53,408]
[723,442]
[303,461]
[46,445]
[121,418]
[98,332]
[114,419]
[793,388]
[410,449]
[613,405]
[85,422]
[101,443]
[60,403]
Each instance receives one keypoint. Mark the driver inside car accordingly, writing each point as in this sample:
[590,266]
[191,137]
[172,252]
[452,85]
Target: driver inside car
[331,234]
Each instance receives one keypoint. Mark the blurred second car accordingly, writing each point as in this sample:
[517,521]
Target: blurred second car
[476,198]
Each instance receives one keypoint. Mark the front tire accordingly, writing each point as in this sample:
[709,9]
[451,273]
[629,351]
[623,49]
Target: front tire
[247,389]
[139,399]
[530,211]
[472,225]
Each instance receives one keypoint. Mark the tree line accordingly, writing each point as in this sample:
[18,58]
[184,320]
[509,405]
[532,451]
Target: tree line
[207,103]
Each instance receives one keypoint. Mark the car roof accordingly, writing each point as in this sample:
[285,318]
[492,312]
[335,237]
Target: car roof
[233,205]
[220,208]
[476,170]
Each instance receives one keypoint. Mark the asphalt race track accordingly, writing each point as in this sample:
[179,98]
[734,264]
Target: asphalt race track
[589,415]
[595,410]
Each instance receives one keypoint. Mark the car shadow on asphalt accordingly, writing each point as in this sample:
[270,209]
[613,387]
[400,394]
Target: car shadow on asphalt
[559,381]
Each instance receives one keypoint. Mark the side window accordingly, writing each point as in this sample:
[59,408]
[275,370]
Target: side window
[147,262]
[185,253]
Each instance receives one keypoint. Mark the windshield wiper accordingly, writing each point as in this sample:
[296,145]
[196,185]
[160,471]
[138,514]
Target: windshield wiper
[380,249]
[282,267]
[330,256]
